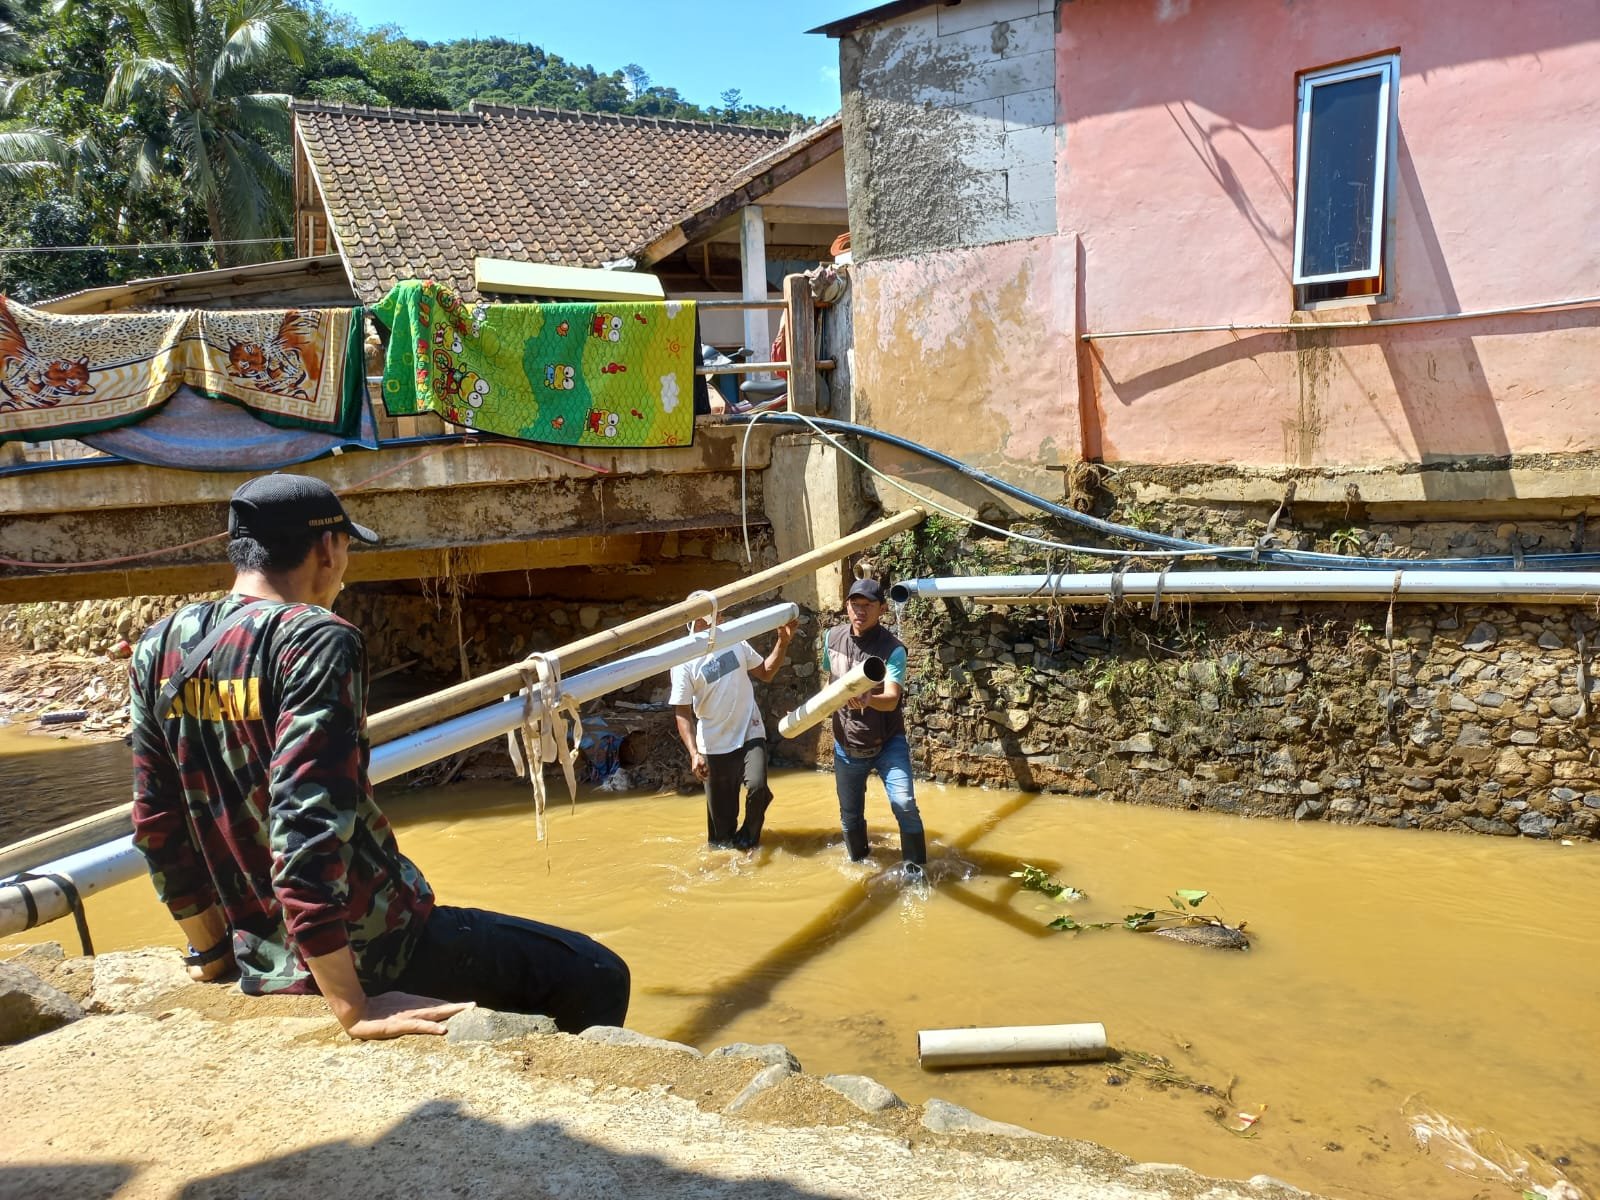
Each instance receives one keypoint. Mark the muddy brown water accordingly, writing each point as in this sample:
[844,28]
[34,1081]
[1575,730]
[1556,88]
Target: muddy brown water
[1399,981]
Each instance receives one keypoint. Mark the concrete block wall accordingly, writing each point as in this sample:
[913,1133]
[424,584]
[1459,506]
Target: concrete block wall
[950,127]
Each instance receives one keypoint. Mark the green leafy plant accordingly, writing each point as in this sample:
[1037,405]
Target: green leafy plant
[1036,880]
[1345,541]
[1184,902]
[1072,925]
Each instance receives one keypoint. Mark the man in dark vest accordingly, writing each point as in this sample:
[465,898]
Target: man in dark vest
[869,734]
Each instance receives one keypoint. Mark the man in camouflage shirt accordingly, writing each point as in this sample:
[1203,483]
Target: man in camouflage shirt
[253,809]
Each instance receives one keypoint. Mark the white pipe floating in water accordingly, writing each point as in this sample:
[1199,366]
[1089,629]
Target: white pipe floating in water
[117,862]
[1433,586]
[1085,1042]
[865,676]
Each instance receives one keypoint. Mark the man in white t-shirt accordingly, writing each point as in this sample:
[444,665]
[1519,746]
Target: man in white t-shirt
[721,727]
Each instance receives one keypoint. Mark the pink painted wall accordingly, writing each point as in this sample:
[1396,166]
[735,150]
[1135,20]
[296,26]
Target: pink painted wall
[970,351]
[1177,173]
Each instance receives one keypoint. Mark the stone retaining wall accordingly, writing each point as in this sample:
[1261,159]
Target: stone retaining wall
[1471,717]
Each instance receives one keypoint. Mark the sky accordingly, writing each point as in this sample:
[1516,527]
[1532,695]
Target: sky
[700,47]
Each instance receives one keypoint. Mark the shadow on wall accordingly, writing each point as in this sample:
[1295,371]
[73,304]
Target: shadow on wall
[439,1151]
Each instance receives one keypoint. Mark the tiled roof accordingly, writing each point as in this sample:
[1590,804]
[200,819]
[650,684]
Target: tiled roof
[282,283]
[417,194]
[826,134]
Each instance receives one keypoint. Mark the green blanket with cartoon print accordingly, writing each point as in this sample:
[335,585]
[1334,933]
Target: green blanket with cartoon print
[610,374]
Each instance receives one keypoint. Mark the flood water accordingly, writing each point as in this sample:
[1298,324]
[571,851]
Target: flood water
[47,780]
[1398,980]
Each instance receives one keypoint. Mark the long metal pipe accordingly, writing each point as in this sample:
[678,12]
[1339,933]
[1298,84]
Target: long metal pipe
[117,861]
[407,718]
[1219,587]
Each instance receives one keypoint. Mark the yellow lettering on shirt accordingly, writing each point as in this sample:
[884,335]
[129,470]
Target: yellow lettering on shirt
[219,700]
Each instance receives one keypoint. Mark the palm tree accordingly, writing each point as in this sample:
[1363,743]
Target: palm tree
[195,59]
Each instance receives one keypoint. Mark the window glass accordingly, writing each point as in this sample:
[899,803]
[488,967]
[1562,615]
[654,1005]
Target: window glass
[1341,173]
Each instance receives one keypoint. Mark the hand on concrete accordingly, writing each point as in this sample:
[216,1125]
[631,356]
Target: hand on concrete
[396,1014]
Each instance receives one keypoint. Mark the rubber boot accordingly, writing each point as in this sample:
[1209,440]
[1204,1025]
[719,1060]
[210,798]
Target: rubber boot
[914,848]
[855,843]
[755,815]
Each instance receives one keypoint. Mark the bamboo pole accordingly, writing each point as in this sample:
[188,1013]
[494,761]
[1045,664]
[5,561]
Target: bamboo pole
[430,710]
[82,834]
[404,719]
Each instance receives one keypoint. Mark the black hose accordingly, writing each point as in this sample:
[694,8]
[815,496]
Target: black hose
[1292,558]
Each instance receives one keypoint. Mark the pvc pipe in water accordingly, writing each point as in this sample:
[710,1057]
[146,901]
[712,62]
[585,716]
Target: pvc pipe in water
[1425,586]
[865,676]
[116,862]
[1085,1042]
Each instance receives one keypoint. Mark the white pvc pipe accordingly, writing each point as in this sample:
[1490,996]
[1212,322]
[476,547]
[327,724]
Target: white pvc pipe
[1432,586]
[470,729]
[1085,1042]
[116,862]
[1318,326]
[865,676]
[90,871]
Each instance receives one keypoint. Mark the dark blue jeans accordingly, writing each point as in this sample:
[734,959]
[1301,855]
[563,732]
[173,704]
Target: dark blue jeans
[893,765]
[515,965]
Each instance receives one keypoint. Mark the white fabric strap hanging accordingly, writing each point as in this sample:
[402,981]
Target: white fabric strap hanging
[716,615]
[544,707]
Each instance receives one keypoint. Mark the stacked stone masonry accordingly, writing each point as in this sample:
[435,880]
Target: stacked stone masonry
[1469,717]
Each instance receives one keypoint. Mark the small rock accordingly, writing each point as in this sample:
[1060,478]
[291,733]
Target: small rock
[589,616]
[1533,824]
[29,1006]
[1483,636]
[1139,743]
[1550,641]
[864,1092]
[766,1079]
[128,979]
[943,1117]
[1014,719]
[774,1054]
[490,1025]
[1269,1181]
[615,1035]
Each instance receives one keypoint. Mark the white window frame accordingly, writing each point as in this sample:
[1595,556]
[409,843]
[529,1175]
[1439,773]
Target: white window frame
[1387,67]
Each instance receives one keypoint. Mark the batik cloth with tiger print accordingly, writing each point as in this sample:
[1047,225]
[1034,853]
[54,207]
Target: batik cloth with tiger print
[68,375]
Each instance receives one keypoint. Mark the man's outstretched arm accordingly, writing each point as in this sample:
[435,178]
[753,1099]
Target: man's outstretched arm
[770,665]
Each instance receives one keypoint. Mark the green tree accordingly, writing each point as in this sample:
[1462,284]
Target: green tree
[195,59]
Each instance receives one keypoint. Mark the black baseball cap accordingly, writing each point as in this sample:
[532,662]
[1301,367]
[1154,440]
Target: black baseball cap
[279,506]
[870,588]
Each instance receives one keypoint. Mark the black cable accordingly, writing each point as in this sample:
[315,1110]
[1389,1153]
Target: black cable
[1291,558]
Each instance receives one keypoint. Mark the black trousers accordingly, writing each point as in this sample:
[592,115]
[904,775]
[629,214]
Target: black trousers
[515,965]
[745,767]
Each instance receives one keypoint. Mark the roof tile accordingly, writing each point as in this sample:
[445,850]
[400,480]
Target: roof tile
[405,185]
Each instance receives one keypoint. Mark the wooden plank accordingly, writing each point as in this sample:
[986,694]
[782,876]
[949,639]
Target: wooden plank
[802,316]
